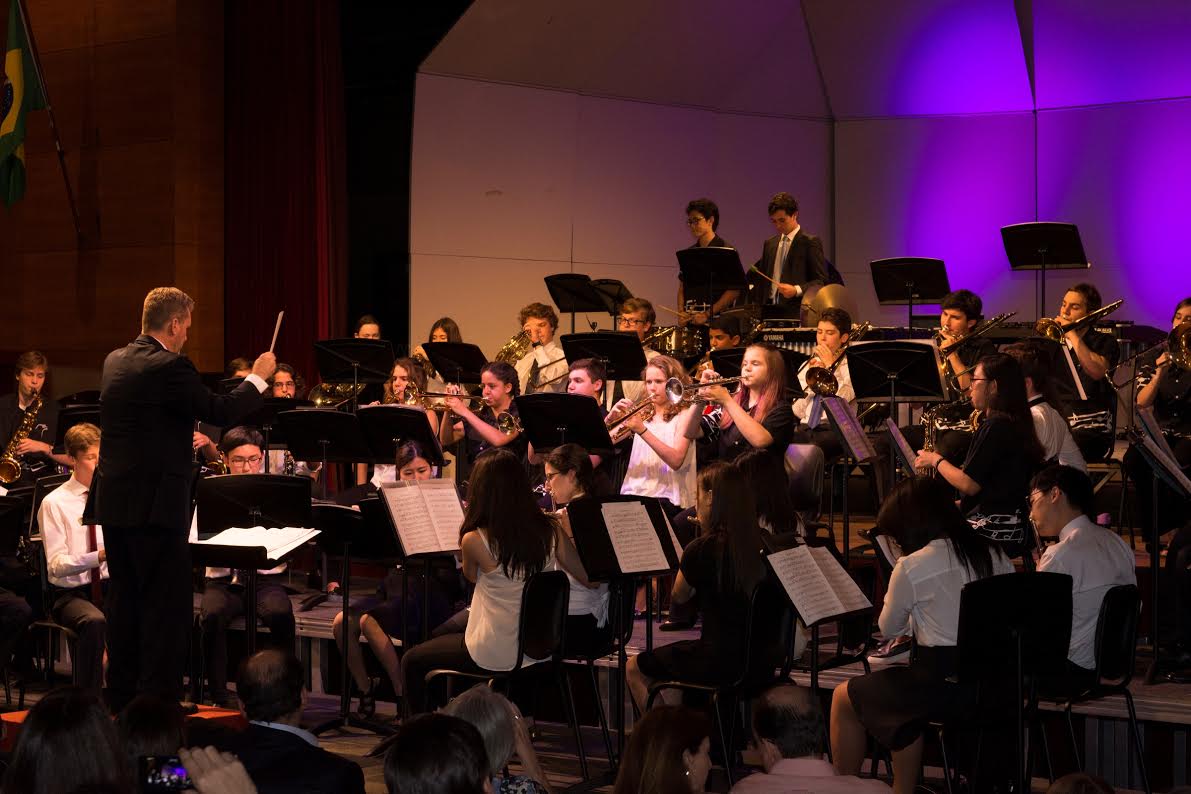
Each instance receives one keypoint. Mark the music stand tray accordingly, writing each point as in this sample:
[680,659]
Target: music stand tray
[551,420]
[457,362]
[620,352]
[906,280]
[613,291]
[386,427]
[325,435]
[68,417]
[704,272]
[573,293]
[1043,246]
[354,360]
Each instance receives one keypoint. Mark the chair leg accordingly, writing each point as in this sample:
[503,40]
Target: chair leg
[595,692]
[1141,758]
[1074,740]
[946,764]
[1050,769]
[719,727]
[564,689]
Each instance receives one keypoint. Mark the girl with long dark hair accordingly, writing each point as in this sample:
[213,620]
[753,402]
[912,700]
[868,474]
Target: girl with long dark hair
[499,385]
[940,554]
[668,753]
[1005,453]
[505,539]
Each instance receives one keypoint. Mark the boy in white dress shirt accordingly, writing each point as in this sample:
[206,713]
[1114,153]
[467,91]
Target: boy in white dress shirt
[75,558]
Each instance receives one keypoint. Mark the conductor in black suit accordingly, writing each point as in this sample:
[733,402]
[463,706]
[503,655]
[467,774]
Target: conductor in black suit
[792,258]
[150,397]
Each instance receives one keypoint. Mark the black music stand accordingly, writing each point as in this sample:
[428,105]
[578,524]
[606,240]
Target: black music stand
[354,361]
[574,292]
[265,418]
[247,500]
[12,525]
[458,362]
[614,292]
[620,352]
[91,397]
[341,527]
[857,449]
[909,279]
[228,385]
[324,434]
[386,427]
[1042,246]
[71,415]
[551,420]
[704,270]
[897,371]
[595,549]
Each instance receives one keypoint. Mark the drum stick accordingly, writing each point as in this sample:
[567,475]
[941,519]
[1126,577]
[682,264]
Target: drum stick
[673,311]
[276,330]
[762,275]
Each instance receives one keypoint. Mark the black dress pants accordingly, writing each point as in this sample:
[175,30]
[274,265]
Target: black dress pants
[222,603]
[149,611]
[15,617]
[74,610]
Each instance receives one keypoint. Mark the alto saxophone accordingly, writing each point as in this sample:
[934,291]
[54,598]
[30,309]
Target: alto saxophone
[10,465]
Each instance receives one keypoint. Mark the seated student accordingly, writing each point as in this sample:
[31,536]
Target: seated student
[407,377]
[636,316]
[543,367]
[788,734]
[439,753]
[444,330]
[1053,433]
[238,368]
[721,568]
[67,743]
[76,562]
[756,415]
[669,750]
[499,385]
[586,378]
[285,382]
[223,594]
[34,452]
[1096,559]
[771,487]
[379,617]
[367,327]
[280,756]
[831,335]
[505,540]
[941,554]
[662,461]
[995,476]
[569,476]
[504,732]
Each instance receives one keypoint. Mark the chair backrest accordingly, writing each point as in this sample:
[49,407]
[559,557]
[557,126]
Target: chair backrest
[42,489]
[12,523]
[1116,634]
[805,464]
[995,613]
[768,631]
[541,630]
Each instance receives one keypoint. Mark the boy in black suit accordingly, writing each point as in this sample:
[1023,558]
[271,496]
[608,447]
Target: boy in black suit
[792,258]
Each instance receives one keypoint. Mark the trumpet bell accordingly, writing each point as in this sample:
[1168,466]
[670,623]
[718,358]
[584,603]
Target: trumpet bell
[507,423]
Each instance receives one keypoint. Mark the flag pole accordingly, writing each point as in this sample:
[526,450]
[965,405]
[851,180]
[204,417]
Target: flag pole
[49,107]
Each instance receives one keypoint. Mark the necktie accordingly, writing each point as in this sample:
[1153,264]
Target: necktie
[535,372]
[95,578]
[782,247]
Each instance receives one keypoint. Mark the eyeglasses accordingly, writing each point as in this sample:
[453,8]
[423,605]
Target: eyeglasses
[695,221]
[630,321]
[252,461]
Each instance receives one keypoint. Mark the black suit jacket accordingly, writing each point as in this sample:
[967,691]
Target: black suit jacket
[148,402]
[280,762]
[804,266]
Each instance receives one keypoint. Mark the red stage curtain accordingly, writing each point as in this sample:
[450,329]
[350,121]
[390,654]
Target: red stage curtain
[285,189]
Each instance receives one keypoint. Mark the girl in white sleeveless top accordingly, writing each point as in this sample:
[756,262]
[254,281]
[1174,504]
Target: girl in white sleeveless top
[505,539]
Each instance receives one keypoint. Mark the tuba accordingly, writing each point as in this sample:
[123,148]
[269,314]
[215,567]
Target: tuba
[10,464]
[515,349]
[333,395]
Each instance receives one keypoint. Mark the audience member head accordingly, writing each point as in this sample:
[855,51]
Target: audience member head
[412,463]
[437,754]
[637,316]
[725,504]
[242,448]
[284,382]
[922,509]
[771,488]
[270,687]
[151,726]
[445,330]
[569,473]
[238,368]
[30,371]
[67,742]
[166,316]
[668,753]
[499,382]
[1081,783]
[787,723]
[1059,495]
[587,377]
[501,502]
[494,717]
[367,327]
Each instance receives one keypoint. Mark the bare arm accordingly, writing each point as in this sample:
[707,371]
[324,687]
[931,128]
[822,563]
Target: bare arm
[568,558]
[682,591]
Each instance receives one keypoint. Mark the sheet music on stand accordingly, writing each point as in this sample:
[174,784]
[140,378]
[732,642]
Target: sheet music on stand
[623,536]
[426,514]
[1166,468]
[1153,430]
[276,541]
[905,453]
[818,586]
[848,430]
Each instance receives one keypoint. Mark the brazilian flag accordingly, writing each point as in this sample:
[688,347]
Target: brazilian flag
[19,93]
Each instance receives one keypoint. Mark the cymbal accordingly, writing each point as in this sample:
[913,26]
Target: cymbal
[830,296]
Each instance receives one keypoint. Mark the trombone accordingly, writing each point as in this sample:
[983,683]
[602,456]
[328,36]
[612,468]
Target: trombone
[822,380]
[977,332]
[1055,331]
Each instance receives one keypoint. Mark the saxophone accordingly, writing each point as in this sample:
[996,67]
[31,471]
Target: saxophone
[10,466]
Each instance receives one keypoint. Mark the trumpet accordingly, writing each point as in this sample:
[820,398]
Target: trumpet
[676,390]
[1055,331]
[416,397]
[822,380]
[617,429]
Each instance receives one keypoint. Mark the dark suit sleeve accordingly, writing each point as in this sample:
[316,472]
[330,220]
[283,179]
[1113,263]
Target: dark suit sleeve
[201,403]
[816,268]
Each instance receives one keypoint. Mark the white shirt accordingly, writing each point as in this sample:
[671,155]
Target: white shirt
[648,475]
[923,594]
[491,634]
[302,734]
[68,561]
[1055,436]
[804,774]
[1095,559]
[552,363]
[802,406]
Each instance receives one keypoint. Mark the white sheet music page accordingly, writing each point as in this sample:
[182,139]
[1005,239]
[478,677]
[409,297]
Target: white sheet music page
[633,538]
[805,583]
[277,541]
[411,517]
[446,511]
[844,586]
